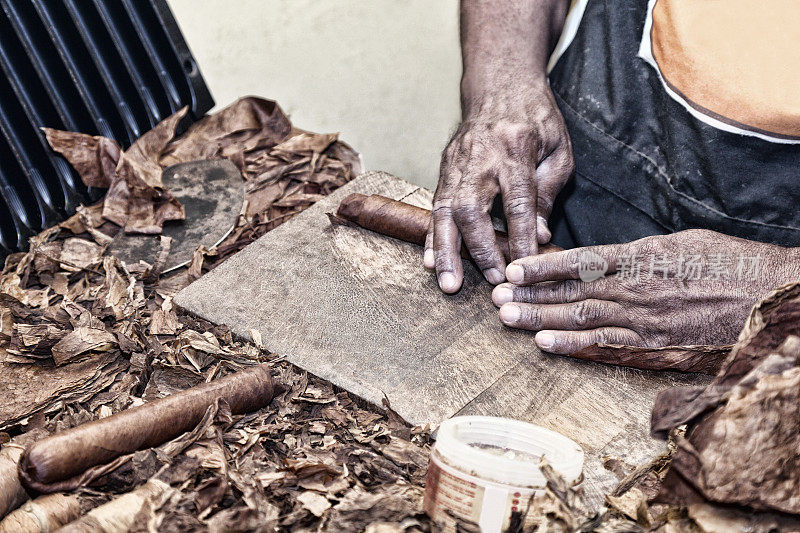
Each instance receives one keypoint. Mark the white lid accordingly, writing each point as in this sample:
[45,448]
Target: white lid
[506,451]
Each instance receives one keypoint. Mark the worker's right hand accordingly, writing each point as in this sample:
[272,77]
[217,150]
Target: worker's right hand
[514,143]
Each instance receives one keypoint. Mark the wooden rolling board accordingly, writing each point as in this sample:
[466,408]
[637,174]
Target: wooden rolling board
[360,310]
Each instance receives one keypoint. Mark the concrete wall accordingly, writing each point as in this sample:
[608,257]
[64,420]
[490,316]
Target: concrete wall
[384,73]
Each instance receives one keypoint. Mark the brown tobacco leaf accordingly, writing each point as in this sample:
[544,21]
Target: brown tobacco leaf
[136,199]
[93,158]
[716,519]
[12,494]
[77,254]
[33,389]
[80,341]
[248,124]
[285,169]
[163,323]
[359,507]
[700,359]
[119,513]
[35,340]
[743,430]
[149,204]
[306,142]
[770,322]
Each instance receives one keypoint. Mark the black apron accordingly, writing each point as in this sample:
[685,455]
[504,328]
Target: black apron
[645,165]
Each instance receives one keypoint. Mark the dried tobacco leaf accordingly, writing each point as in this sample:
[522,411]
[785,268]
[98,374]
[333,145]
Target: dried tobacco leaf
[248,124]
[136,199]
[93,158]
[744,428]
[36,389]
[80,341]
[699,359]
[226,472]
[716,519]
[79,254]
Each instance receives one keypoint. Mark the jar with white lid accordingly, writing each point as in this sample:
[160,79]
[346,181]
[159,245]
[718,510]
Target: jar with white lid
[482,469]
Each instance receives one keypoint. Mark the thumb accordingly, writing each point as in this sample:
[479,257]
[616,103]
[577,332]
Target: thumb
[551,174]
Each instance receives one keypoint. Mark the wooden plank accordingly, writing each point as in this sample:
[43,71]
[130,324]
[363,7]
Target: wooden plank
[359,309]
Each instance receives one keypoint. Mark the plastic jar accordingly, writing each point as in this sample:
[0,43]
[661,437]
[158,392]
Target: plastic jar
[482,469]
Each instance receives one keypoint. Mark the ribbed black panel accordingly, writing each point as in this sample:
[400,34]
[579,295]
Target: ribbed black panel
[104,67]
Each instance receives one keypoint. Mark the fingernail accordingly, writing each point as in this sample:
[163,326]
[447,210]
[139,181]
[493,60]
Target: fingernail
[510,313]
[502,295]
[515,273]
[545,340]
[428,259]
[494,276]
[447,282]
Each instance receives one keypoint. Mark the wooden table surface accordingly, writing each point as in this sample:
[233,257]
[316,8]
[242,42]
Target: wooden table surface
[359,310]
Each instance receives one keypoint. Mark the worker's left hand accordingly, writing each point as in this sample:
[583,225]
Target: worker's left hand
[691,287]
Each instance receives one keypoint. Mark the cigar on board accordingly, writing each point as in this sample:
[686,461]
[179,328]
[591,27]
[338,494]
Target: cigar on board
[50,464]
[403,221]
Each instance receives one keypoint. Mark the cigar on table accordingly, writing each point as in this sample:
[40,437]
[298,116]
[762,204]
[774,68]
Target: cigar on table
[51,464]
[403,221]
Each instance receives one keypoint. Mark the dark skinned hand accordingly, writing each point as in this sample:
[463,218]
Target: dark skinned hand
[691,287]
[515,146]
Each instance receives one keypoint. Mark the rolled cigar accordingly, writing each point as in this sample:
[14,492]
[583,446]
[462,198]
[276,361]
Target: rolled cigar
[42,515]
[117,516]
[12,493]
[402,221]
[48,463]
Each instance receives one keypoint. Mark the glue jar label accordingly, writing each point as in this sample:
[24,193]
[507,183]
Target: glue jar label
[452,496]
[484,471]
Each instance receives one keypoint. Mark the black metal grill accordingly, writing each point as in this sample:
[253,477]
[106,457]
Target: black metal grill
[105,67]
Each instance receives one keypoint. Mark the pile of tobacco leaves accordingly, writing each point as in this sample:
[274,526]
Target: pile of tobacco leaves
[84,335]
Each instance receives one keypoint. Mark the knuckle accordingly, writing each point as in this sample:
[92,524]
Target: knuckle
[532,316]
[650,246]
[569,291]
[524,293]
[545,205]
[571,261]
[518,205]
[581,314]
[483,255]
[519,143]
[442,207]
[466,208]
